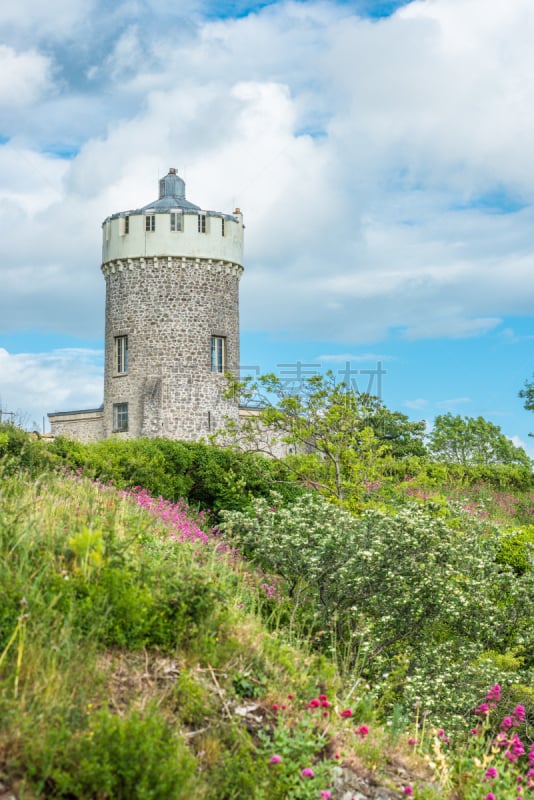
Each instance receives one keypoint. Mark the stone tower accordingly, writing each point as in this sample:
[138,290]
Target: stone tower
[172,275]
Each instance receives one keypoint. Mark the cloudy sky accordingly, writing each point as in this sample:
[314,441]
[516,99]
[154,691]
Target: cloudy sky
[382,154]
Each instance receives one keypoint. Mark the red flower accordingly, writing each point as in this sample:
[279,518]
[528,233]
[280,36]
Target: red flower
[346,713]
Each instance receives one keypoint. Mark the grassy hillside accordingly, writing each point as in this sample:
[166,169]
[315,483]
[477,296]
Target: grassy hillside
[302,652]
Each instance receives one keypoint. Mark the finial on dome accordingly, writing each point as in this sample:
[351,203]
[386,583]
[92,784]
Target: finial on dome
[172,185]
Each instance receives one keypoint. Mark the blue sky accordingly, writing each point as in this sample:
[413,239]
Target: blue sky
[381,153]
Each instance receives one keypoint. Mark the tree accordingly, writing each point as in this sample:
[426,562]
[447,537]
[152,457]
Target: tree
[470,440]
[403,437]
[527,394]
[335,437]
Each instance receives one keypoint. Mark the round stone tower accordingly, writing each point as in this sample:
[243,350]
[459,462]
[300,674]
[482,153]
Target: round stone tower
[172,275]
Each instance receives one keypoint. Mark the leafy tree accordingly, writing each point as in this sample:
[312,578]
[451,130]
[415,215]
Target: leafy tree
[527,394]
[336,437]
[403,437]
[470,440]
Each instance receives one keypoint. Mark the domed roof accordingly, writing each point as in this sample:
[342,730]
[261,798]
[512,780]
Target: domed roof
[171,195]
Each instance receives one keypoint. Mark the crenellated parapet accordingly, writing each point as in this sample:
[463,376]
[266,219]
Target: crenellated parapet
[132,264]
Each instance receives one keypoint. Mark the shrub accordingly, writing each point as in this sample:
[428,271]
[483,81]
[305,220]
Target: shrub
[383,585]
[131,758]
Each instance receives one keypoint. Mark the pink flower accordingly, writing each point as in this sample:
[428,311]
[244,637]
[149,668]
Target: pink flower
[407,790]
[483,709]
[275,706]
[491,774]
[307,772]
[490,796]
[290,696]
[494,694]
[275,759]
[322,697]
[519,713]
[315,703]
[362,731]
[346,713]
[411,740]
[326,794]
[506,723]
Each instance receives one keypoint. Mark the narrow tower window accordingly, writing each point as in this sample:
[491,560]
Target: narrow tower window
[121,354]
[125,225]
[218,347]
[202,223]
[176,221]
[222,226]
[120,416]
[150,222]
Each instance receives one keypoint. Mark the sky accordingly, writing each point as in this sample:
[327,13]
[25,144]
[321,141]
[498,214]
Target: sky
[381,152]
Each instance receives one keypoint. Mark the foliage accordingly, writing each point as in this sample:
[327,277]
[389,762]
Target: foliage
[345,434]
[388,586]
[20,450]
[470,440]
[516,549]
[493,759]
[113,758]
[211,477]
[121,623]
[527,394]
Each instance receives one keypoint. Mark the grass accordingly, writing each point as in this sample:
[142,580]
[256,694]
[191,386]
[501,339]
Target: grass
[141,657]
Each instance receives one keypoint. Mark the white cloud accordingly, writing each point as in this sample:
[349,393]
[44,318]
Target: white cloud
[450,405]
[356,357]
[416,405]
[364,156]
[73,377]
[24,77]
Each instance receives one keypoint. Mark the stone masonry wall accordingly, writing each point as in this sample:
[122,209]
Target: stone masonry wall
[169,308]
[83,426]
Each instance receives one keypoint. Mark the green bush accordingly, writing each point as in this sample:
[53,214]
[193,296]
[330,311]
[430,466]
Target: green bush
[209,477]
[20,450]
[382,586]
[115,758]
[516,549]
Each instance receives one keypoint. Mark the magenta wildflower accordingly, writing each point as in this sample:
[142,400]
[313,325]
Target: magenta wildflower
[407,790]
[275,759]
[307,772]
[519,713]
[326,794]
[362,731]
[494,694]
[490,796]
[315,703]
[411,740]
[346,713]
[506,723]
[275,706]
[515,748]
[483,709]
[491,774]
